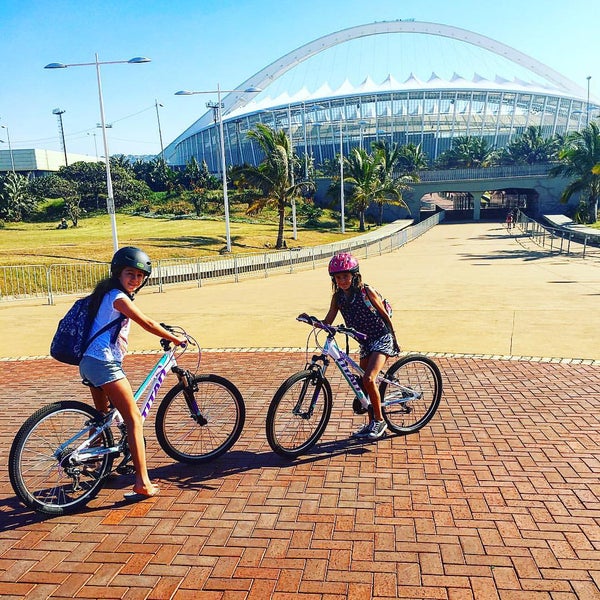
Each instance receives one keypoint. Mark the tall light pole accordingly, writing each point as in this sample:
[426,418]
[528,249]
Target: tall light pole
[343,217]
[219,110]
[12,158]
[110,200]
[587,108]
[59,113]
[162,150]
[294,222]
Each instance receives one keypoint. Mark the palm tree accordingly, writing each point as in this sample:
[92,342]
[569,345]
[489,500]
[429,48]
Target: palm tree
[368,185]
[578,161]
[529,148]
[388,158]
[412,158]
[466,151]
[273,176]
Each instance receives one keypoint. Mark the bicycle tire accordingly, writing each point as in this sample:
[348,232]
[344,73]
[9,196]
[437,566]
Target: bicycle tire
[420,374]
[187,440]
[289,432]
[39,471]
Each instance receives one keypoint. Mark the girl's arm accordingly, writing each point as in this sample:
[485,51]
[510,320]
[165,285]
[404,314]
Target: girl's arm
[333,310]
[126,307]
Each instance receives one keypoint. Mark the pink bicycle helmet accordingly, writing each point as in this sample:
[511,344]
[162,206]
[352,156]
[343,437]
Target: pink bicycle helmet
[343,262]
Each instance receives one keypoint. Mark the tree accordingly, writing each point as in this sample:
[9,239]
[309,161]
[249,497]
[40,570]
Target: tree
[53,186]
[578,160]
[89,180]
[367,183]
[273,176]
[412,158]
[16,202]
[466,152]
[529,148]
[387,158]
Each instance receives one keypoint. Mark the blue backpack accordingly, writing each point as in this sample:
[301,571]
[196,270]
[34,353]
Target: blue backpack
[71,338]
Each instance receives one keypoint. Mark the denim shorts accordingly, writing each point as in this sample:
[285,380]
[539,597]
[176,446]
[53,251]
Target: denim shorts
[99,372]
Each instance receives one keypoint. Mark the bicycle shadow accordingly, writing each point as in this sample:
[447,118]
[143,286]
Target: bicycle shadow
[187,476]
[234,462]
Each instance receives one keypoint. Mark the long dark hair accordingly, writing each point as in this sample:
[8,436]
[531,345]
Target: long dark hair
[102,288]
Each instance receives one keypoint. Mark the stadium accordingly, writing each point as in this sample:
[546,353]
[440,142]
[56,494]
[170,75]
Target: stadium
[492,90]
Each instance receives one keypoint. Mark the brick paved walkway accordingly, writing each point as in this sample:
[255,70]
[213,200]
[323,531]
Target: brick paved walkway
[498,498]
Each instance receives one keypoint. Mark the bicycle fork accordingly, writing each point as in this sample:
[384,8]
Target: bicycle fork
[317,375]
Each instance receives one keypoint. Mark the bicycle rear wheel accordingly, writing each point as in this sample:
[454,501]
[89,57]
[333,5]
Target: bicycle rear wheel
[298,414]
[41,467]
[413,397]
[199,423]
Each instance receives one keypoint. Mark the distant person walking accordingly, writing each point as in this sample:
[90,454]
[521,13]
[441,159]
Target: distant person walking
[510,220]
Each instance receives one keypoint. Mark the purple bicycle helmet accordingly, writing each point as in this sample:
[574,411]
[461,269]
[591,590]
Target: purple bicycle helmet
[343,263]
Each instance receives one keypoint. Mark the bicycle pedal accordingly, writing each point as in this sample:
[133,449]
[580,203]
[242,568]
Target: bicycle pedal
[125,470]
[358,408]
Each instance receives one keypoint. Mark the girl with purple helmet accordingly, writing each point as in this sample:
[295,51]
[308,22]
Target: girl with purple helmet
[350,296]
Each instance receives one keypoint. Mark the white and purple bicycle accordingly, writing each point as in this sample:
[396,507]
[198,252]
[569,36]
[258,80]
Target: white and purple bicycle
[410,391]
[63,453]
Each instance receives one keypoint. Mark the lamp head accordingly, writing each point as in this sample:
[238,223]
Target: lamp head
[55,66]
[138,60]
[184,93]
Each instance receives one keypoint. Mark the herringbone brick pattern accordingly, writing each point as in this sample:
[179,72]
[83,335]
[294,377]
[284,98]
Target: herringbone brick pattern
[498,498]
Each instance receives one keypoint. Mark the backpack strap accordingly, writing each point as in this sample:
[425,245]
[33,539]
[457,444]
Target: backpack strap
[373,308]
[118,320]
[367,300]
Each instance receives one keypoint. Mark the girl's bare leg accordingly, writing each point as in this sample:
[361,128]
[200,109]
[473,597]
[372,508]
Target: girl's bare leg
[371,365]
[121,395]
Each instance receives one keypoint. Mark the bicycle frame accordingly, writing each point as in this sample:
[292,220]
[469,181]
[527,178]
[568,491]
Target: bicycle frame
[345,363]
[150,385]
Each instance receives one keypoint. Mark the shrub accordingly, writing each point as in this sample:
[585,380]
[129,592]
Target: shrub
[175,207]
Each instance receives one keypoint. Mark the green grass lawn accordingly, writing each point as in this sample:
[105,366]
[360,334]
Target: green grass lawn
[91,240]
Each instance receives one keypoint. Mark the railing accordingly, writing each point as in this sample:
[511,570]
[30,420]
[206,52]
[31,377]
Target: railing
[500,172]
[559,240]
[37,281]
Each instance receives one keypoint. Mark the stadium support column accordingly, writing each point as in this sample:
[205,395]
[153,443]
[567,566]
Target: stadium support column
[476,205]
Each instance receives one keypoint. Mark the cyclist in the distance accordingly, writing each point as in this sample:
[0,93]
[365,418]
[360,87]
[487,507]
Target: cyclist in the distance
[351,297]
[101,365]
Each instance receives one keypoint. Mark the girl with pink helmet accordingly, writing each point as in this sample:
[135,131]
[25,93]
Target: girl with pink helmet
[363,309]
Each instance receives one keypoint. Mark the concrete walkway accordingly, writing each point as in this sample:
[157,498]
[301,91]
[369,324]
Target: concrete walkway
[496,499]
[461,288]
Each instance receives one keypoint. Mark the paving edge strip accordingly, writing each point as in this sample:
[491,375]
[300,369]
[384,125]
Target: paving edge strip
[538,359]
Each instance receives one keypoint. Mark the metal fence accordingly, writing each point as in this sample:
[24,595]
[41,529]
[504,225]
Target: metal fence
[37,281]
[560,240]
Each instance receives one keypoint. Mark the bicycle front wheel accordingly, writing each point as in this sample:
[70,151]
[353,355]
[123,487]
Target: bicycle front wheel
[43,471]
[198,423]
[409,402]
[299,413]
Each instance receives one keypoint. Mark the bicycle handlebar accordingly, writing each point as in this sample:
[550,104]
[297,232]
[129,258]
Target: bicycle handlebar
[166,344]
[331,329]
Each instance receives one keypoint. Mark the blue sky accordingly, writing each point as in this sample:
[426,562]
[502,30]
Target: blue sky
[197,44]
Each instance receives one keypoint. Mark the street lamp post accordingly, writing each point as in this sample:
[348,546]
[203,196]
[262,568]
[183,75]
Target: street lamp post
[12,158]
[587,108]
[294,222]
[343,217]
[59,113]
[110,200]
[162,150]
[219,109]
